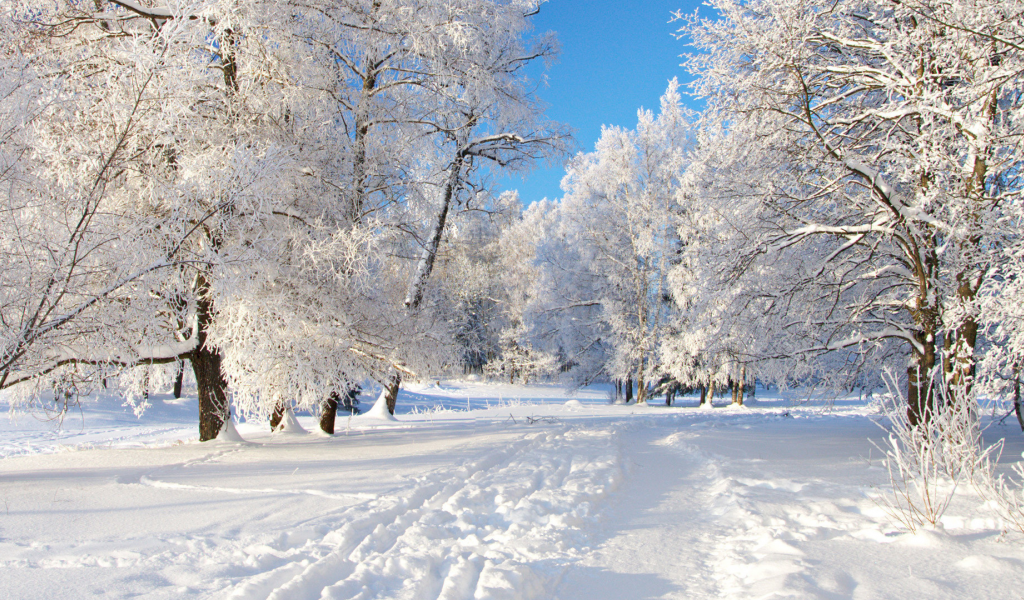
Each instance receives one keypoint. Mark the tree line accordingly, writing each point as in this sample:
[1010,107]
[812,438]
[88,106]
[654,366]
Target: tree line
[258,189]
[294,198]
[847,203]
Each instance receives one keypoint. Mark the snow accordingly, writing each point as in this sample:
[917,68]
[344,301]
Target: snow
[379,411]
[484,491]
[229,433]
[289,424]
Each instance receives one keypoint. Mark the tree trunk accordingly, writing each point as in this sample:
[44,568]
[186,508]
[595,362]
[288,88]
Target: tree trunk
[414,297]
[641,389]
[629,389]
[961,380]
[920,388]
[703,395]
[740,387]
[178,379]
[392,386]
[277,416]
[1016,399]
[213,398]
[429,255]
[329,413]
[206,365]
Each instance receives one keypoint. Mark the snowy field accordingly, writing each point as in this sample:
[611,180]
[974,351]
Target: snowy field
[486,492]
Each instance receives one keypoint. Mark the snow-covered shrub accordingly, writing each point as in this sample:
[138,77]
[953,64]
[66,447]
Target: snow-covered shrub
[928,461]
[1007,495]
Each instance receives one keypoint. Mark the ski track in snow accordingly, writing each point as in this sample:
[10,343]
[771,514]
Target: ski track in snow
[498,527]
[503,525]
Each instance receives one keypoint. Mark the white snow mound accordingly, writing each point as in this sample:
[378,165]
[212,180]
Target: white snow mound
[228,433]
[289,424]
[380,409]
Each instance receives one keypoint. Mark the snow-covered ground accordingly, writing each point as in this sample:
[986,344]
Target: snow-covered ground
[482,491]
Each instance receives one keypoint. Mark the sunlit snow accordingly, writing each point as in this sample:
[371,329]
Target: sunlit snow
[482,491]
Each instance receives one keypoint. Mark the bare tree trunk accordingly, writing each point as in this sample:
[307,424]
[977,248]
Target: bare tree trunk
[277,416]
[920,388]
[961,380]
[329,413]
[641,389]
[178,380]
[740,387]
[629,389]
[392,386]
[206,365]
[1016,398]
[213,398]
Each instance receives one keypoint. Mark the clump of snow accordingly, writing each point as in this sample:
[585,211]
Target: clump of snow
[229,433]
[573,404]
[289,424]
[380,411]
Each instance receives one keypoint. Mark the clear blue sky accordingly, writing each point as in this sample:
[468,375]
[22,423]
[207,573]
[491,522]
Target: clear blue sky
[617,55]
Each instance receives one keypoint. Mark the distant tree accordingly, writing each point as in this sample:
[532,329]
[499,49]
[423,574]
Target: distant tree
[604,292]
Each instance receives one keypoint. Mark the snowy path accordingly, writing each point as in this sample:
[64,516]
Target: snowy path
[693,523]
[502,522]
[579,502]
[498,526]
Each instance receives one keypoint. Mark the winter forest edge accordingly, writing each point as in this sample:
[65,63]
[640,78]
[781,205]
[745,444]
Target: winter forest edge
[294,201]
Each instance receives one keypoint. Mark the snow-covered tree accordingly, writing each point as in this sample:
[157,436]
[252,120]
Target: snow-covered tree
[271,164]
[884,138]
[486,115]
[89,241]
[603,303]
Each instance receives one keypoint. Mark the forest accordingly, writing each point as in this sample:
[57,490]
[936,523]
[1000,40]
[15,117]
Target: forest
[294,198]
[288,202]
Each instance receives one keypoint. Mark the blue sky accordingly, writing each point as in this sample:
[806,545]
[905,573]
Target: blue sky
[617,55]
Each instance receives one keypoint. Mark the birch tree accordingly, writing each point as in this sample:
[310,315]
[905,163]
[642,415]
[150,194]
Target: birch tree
[485,113]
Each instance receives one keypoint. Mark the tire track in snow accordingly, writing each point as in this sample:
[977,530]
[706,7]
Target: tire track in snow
[502,526]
